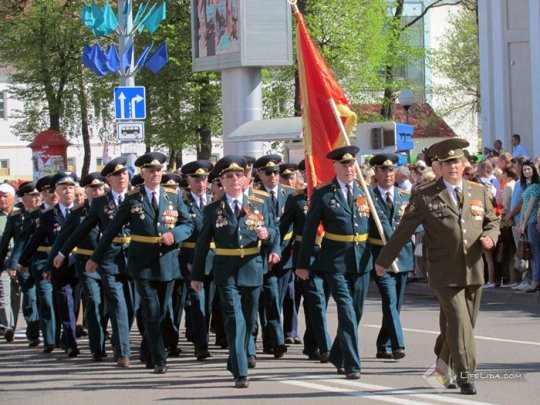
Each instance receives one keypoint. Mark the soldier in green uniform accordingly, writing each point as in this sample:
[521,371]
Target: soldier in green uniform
[159,222]
[460,223]
[238,225]
[13,234]
[345,254]
[392,200]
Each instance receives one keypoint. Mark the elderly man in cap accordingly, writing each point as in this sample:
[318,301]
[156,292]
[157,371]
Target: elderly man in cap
[118,287]
[93,184]
[392,200]
[31,200]
[278,275]
[65,283]
[345,254]
[159,223]
[460,223]
[239,225]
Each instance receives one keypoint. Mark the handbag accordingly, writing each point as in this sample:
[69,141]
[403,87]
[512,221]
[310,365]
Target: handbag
[524,248]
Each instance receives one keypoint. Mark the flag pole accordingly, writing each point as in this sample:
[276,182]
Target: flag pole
[293,5]
[374,213]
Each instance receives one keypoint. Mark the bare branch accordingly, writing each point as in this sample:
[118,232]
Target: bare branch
[435,4]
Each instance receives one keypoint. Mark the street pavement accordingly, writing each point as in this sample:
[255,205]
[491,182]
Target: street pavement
[508,348]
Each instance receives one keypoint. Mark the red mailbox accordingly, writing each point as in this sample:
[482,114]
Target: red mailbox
[49,153]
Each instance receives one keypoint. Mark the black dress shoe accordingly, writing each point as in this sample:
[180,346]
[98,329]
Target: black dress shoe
[279,351]
[289,341]
[9,334]
[252,362]
[174,351]
[468,388]
[312,355]
[268,350]
[160,369]
[340,370]
[222,342]
[80,331]
[73,352]
[241,382]
[398,354]
[48,349]
[384,355]
[353,376]
[324,357]
[98,356]
[34,342]
[202,354]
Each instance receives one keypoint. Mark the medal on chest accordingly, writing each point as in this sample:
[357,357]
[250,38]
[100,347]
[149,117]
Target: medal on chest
[56,228]
[362,206]
[221,221]
[169,216]
[477,209]
[254,218]
[138,209]
[109,209]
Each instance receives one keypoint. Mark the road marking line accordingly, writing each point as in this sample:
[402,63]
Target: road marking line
[494,339]
[346,391]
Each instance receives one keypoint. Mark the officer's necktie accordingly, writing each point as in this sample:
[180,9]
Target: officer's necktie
[274,199]
[389,202]
[237,210]
[120,199]
[349,196]
[66,213]
[459,195]
[201,203]
[154,202]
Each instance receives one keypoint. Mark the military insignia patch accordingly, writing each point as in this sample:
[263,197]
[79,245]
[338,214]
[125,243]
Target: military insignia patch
[410,208]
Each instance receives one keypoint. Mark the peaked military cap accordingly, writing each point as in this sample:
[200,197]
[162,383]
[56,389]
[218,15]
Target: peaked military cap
[151,159]
[250,160]
[287,169]
[384,160]
[183,183]
[302,165]
[213,176]
[94,179]
[230,163]
[171,179]
[137,180]
[268,162]
[63,178]
[198,168]
[448,149]
[115,166]
[27,188]
[44,183]
[343,154]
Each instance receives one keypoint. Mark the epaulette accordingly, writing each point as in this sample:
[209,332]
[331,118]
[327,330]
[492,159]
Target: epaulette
[425,185]
[404,191]
[260,192]
[473,183]
[289,187]
[77,207]
[326,183]
[15,212]
[134,191]
[253,198]
[171,190]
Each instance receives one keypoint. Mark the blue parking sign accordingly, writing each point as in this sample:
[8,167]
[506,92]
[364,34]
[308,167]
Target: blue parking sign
[130,103]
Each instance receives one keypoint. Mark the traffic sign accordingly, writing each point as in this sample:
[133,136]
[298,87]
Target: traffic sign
[130,131]
[130,103]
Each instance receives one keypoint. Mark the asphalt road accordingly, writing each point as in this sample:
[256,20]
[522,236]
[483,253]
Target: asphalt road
[508,347]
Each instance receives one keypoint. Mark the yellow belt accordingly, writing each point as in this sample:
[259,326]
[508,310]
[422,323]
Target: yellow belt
[237,252]
[288,236]
[122,239]
[44,249]
[146,239]
[346,238]
[191,245]
[318,239]
[85,252]
[374,241]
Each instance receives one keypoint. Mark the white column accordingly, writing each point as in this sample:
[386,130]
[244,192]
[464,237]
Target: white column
[486,79]
[534,17]
[242,102]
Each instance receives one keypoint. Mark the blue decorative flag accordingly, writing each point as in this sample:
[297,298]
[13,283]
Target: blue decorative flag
[143,56]
[113,61]
[143,20]
[140,12]
[155,17]
[159,59]
[127,58]
[97,56]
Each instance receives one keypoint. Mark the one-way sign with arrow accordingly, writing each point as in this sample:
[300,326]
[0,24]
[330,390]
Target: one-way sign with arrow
[130,103]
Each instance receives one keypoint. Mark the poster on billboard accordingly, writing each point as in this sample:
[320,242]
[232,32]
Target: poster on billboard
[235,33]
[46,164]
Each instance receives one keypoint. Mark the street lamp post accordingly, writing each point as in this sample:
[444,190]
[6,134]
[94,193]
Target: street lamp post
[406,98]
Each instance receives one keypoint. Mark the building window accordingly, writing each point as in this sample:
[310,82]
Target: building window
[3,105]
[71,167]
[4,167]
[99,164]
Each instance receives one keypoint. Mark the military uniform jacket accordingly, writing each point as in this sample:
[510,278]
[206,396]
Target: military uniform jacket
[329,206]
[453,240]
[86,245]
[221,226]
[400,201]
[12,230]
[186,252]
[149,260]
[101,213]
[50,224]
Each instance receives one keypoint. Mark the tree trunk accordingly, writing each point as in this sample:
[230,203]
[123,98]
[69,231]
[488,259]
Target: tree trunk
[85,132]
[204,149]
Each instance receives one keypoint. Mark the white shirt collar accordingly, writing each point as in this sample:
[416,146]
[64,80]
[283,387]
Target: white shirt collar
[197,198]
[115,195]
[342,185]
[63,208]
[275,190]
[383,192]
[149,193]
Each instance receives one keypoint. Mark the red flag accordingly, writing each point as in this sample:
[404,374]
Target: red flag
[317,87]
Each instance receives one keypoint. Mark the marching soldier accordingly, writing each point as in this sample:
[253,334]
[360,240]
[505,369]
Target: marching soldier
[31,200]
[117,285]
[65,283]
[345,255]
[93,184]
[392,200]
[238,225]
[459,222]
[159,222]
